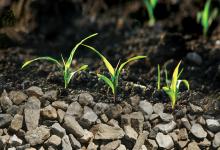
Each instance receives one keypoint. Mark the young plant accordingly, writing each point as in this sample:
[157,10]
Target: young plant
[172,89]
[65,66]
[207,16]
[158,77]
[112,82]
[150,5]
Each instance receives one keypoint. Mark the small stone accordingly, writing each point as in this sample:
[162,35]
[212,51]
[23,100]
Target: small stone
[35,91]
[164,141]
[135,100]
[113,123]
[151,144]
[73,127]
[104,118]
[58,130]
[13,110]
[153,133]
[75,144]
[106,132]
[86,137]
[137,121]
[166,117]
[152,117]
[60,115]
[66,145]
[111,146]
[196,109]
[213,125]
[166,128]
[5,120]
[3,141]
[140,141]
[51,95]
[183,135]
[38,135]
[15,141]
[17,97]
[186,123]
[100,108]
[16,123]
[198,131]
[201,120]
[114,111]
[49,112]
[194,58]
[60,105]
[85,99]
[174,136]
[205,143]
[216,141]
[23,147]
[130,133]
[143,147]
[158,108]
[126,108]
[32,113]
[88,118]
[146,107]
[5,101]
[193,146]
[74,110]
[182,144]
[121,147]
[92,146]
[54,140]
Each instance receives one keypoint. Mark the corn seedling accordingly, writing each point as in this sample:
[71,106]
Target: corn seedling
[207,16]
[65,66]
[112,82]
[172,89]
[158,77]
[150,5]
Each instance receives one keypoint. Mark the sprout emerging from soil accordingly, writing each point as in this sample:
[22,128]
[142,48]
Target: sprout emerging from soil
[150,5]
[207,16]
[114,73]
[172,89]
[65,67]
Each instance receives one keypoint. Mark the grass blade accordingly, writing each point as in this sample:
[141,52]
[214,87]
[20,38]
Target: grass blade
[175,78]
[107,81]
[158,77]
[185,82]
[41,58]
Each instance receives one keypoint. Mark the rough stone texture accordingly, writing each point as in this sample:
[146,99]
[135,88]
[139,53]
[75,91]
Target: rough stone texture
[135,100]
[146,107]
[15,141]
[73,127]
[130,133]
[166,128]
[198,131]
[88,118]
[74,143]
[216,141]
[5,120]
[186,123]
[140,141]
[121,147]
[60,115]
[66,145]
[16,123]
[164,141]
[34,91]
[85,99]
[194,58]
[32,113]
[5,101]
[60,105]
[114,111]
[51,95]
[111,146]
[137,121]
[86,137]
[151,144]
[92,146]
[58,130]
[74,110]
[158,108]
[38,135]
[54,140]
[213,125]
[100,108]
[196,109]
[193,146]
[49,112]
[166,117]
[17,97]
[183,135]
[106,132]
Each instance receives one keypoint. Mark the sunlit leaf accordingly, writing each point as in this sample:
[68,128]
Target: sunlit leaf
[185,82]
[107,81]
[175,78]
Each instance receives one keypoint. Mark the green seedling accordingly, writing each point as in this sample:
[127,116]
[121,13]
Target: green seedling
[207,16]
[150,5]
[112,82]
[65,66]
[172,89]
[158,77]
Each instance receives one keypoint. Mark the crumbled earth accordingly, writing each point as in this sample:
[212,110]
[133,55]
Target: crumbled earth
[36,112]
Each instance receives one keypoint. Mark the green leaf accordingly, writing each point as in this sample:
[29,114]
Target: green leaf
[41,58]
[106,62]
[166,78]
[175,78]
[118,71]
[69,61]
[158,77]
[185,82]
[107,81]
[198,17]
[150,11]
[153,3]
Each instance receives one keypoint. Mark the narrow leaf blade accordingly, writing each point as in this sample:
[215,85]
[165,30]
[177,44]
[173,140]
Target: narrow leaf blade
[107,81]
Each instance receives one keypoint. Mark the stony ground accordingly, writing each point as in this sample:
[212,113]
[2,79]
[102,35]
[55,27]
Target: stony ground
[35,119]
